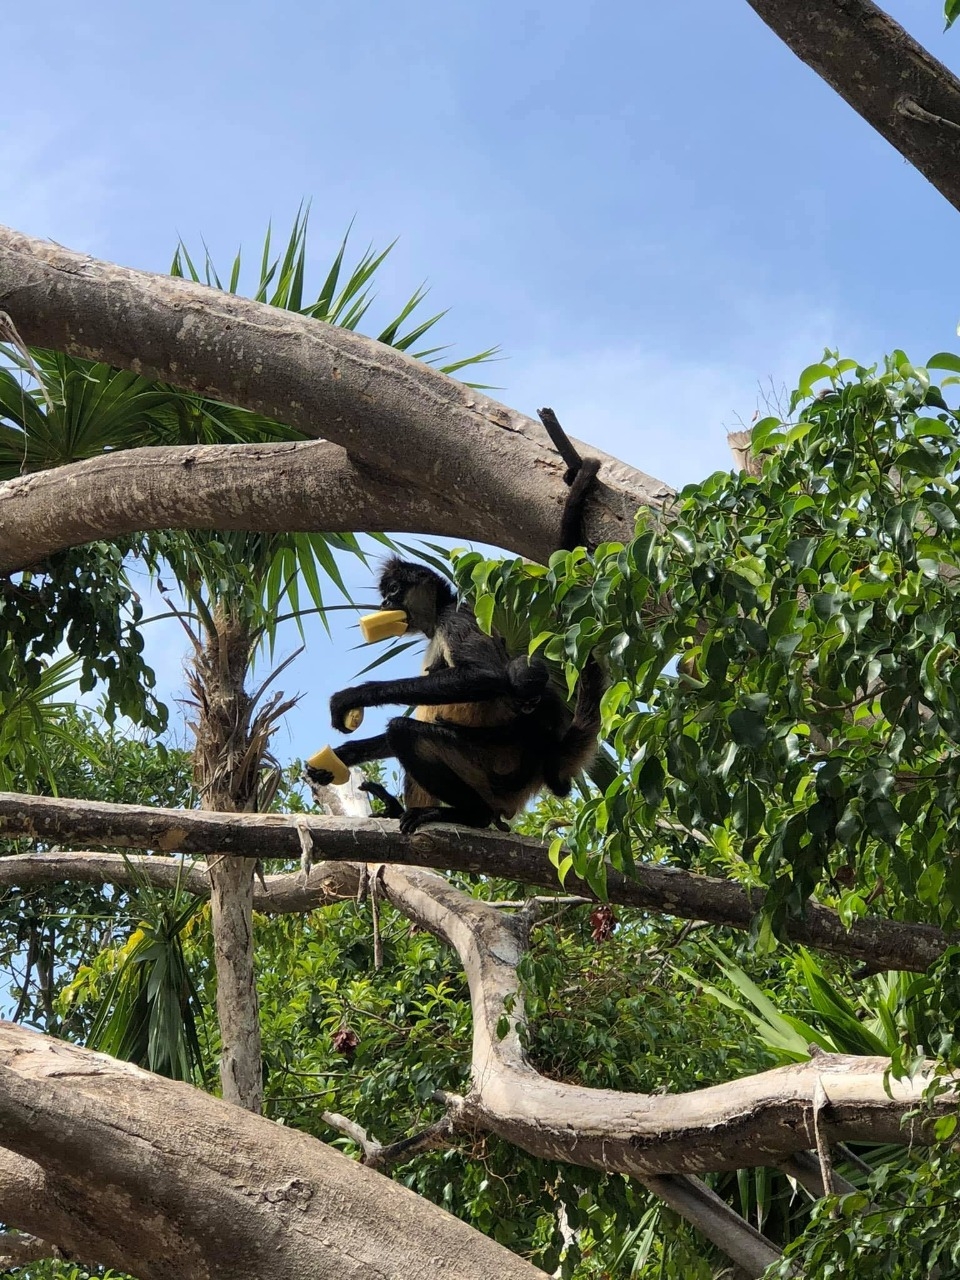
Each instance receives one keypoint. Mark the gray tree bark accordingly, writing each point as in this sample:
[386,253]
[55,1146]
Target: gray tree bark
[425,451]
[164,1182]
[892,944]
[899,88]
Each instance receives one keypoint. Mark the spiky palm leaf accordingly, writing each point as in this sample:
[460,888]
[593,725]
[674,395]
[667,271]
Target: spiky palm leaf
[31,720]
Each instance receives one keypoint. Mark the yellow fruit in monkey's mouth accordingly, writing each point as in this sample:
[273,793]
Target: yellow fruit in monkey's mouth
[383,625]
[328,760]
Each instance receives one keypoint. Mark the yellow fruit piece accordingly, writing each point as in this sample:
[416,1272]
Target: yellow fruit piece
[353,719]
[383,625]
[328,760]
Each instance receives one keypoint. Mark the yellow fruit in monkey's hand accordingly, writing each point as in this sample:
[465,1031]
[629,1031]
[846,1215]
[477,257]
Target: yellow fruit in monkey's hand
[329,762]
[383,625]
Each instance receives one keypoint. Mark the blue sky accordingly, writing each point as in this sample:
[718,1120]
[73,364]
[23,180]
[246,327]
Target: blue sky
[653,208]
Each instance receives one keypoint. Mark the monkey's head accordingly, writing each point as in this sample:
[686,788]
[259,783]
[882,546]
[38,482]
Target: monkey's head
[422,594]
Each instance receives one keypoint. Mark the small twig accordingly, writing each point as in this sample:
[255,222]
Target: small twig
[350,1129]
[376,885]
[376,1155]
[429,1139]
[906,106]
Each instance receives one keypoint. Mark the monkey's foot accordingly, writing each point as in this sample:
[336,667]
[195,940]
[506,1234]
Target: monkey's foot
[414,819]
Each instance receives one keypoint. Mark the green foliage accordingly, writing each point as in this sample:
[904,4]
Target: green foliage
[81,599]
[951,11]
[149,1007]
[31,722]
[48,932]
[903,1225]
[812,727]
[52,1269]
[344,299]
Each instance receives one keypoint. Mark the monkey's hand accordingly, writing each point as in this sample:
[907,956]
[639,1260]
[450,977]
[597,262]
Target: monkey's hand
[319,777]
[346,710]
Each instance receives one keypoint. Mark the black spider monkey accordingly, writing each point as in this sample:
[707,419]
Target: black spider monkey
[488,731]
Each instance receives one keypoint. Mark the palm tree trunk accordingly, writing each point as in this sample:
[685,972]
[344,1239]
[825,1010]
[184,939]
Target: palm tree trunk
[227,768]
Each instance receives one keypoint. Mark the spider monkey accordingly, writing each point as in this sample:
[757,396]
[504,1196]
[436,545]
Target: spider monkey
[488,731]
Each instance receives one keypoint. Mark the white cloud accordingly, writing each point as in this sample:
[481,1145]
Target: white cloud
[669,415]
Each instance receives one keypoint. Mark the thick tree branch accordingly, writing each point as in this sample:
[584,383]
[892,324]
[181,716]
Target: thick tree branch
[757,1120]
[188,1185]
[882,943]
[211,486]
[473,464]
[692,1199]
[48,1211]
[900,89]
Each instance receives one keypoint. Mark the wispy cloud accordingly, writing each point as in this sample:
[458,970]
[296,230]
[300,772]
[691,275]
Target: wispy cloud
[665,413]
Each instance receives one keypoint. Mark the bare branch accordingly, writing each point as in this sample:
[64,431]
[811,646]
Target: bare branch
[756,1120]
[900,89]
[425,451]
[890,944]
[376,1155]
[692,1199]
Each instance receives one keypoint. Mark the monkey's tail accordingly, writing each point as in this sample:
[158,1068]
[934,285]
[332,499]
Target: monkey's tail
[571,522]
[578,746]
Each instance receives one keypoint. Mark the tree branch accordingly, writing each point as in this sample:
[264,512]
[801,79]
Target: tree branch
[900,89]
[413,435]
[756,1120]
[888,944]
[692,1199]
[170,1160]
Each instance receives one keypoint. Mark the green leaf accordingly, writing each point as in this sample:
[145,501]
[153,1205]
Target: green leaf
[748,810]
[748,728]
[811,375]
[650,781]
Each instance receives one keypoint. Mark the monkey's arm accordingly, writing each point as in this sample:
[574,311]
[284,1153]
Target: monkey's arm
[453,684]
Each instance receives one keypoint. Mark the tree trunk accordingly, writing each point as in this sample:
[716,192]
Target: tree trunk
[227,768]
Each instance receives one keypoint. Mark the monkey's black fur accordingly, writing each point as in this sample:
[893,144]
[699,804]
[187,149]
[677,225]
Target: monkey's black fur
[489,731]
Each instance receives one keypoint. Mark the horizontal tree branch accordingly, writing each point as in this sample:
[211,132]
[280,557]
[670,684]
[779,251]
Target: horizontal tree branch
[899,88]
[871,940]
[212,486]
[474,465]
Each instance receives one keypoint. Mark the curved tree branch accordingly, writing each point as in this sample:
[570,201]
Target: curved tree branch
[212,486]
[900,89]
[413,432]
[757,1120]
[880,943]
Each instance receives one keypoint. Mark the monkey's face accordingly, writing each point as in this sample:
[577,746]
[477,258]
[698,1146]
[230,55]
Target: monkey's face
[416,590]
